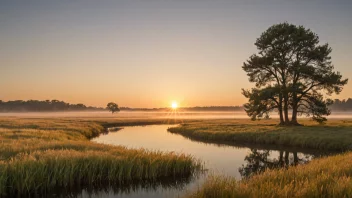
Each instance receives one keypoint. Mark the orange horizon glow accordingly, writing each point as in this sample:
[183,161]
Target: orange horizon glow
[144,55]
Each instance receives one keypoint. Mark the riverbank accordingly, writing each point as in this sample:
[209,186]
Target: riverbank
[39,155]
[335,135]
[325,177]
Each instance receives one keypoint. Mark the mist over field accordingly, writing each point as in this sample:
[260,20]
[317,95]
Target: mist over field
[155,115]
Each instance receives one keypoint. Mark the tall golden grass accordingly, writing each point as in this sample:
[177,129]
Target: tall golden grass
[325,177]
[37,155]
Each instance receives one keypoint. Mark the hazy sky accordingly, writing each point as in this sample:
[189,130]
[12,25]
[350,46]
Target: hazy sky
[149,53]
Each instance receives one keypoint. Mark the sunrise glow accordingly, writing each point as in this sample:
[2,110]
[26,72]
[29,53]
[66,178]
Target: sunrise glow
[174,105]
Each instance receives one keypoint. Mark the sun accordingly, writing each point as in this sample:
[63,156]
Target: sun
[174,105]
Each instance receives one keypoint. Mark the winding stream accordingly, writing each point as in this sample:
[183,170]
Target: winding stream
[239,162]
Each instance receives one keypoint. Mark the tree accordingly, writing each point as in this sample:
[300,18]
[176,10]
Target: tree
[113,107]
[292,72]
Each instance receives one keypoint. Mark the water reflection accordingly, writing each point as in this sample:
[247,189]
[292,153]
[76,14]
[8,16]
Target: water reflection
[257,161]
[146,188]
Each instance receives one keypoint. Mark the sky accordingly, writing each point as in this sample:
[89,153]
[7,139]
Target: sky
[148,53]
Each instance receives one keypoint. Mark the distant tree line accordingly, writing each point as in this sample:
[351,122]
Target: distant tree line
[56,105]
[43,106]
[342,105]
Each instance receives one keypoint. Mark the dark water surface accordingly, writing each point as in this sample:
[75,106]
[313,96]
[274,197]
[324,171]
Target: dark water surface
[239,162]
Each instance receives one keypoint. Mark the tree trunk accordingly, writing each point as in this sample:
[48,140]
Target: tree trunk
[282,122]
[294,109]
[285,96]
[294,115]
[287,120]
[295,101]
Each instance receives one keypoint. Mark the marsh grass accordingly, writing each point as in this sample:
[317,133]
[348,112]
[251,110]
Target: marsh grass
[334,135]
[325,177]
[39,155]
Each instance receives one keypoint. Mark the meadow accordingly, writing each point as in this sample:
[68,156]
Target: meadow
[335,135]
[40,154]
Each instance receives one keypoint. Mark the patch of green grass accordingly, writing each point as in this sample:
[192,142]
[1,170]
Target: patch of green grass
[37,155]
[325,177]
[334,135]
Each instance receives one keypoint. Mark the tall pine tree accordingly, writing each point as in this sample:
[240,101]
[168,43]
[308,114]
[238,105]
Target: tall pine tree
[293,73]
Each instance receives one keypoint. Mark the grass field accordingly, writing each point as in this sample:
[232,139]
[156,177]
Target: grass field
[334,135]
[37,155]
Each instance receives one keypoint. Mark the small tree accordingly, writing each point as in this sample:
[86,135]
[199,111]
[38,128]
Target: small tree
[113,107]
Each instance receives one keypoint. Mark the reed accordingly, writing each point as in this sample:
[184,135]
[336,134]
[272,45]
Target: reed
[325,177]
[38,155]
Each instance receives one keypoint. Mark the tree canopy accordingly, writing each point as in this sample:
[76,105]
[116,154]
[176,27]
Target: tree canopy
[293,73]
[113,107]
